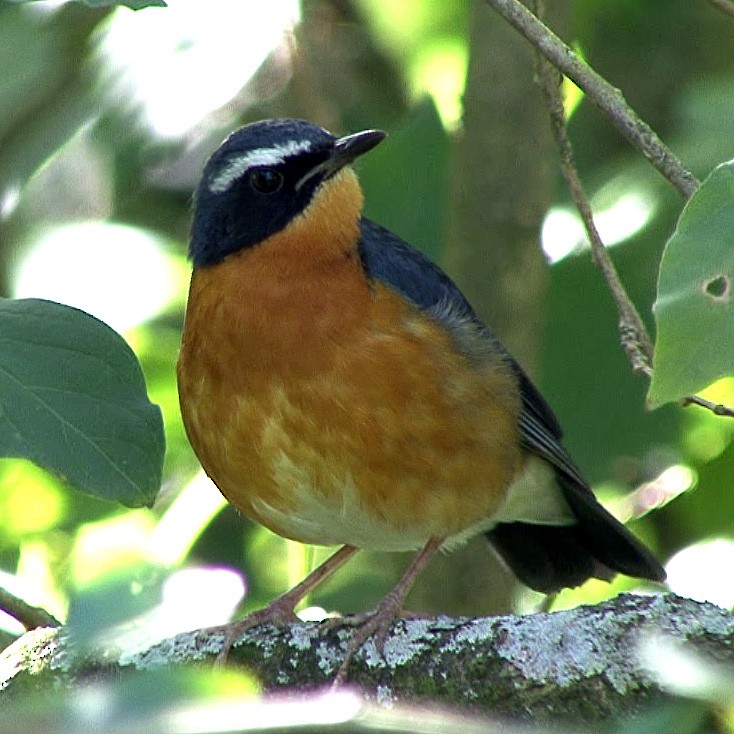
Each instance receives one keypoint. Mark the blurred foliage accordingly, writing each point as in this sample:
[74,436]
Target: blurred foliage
[79,143]
[133,4]
[136,701]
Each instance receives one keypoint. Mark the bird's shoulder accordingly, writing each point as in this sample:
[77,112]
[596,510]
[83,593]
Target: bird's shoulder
[390,260]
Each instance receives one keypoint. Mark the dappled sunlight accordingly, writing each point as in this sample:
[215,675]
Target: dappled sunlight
[216,594]
[183,522]
[721,391]
[436,58]
[706,435]
[114,543]
[314,614]
[37,577]
[135,537]
[671,482]
[272,576]
[689,672]
[190,599]
[9,200]
[118,273]
[593,591]
[181,64]
[562,233]
[700,572]
[439,70]
[31,500]
[315,713]
[618,219]
[572,95]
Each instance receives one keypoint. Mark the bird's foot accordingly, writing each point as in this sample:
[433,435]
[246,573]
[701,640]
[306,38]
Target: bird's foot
[280,612]
[377,623]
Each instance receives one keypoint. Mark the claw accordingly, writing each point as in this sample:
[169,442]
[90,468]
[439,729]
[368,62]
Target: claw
[281,611]
[379,622]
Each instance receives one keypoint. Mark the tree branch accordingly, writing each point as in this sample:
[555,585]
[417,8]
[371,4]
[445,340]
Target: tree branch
[581,665]
[603,94]
[30,617]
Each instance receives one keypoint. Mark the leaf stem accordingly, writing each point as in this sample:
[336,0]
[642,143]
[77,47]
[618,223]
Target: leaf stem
[634,336]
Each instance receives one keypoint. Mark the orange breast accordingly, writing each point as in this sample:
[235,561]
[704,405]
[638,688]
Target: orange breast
[332,411]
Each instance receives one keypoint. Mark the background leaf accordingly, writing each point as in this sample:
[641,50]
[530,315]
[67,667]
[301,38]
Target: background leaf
[693,311]
[415,202]
[134,4]
[73,400]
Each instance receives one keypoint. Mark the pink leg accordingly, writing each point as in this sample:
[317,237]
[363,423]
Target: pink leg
[282,610]
[380,621]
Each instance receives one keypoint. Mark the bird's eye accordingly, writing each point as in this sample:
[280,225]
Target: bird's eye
[266,180]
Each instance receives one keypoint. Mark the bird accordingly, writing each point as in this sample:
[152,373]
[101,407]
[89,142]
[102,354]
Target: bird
[339,389]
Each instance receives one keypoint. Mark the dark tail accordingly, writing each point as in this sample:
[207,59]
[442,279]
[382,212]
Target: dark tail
[549,558]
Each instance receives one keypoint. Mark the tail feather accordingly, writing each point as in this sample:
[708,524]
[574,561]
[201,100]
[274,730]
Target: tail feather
[611,542]
[548,558]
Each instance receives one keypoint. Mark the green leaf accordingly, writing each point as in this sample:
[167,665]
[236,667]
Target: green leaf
[134,4]
[694,313]
[73,400]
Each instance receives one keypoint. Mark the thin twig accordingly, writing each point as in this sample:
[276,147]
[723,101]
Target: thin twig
[30,617]
[633,334]
[603,94]
[725,6]
[715,408]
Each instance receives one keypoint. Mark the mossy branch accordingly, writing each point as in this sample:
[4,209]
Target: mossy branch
[580,665]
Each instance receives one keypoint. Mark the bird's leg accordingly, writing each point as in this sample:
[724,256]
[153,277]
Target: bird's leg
[281,611]
[380,621]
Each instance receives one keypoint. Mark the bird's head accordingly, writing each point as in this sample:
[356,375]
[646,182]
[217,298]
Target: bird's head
[261,178]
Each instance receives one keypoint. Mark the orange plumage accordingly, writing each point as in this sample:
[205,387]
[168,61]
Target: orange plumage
[331,410]
[339,389]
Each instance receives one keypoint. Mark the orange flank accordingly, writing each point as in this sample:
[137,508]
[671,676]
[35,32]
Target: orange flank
[330,409]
